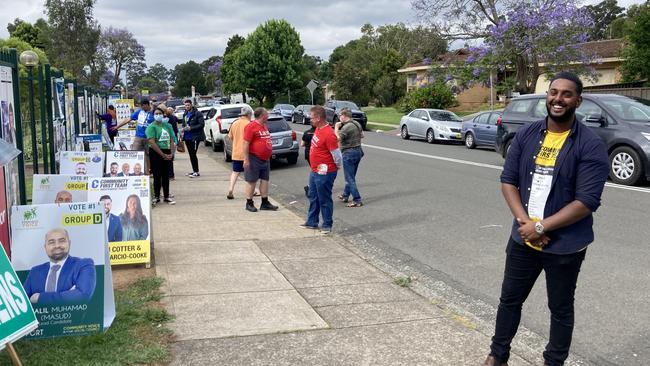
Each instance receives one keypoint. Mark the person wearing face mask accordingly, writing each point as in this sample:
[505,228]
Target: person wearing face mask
[173,121]
[162,141]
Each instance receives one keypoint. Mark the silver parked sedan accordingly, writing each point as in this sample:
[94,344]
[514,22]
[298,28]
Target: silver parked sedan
[431,124]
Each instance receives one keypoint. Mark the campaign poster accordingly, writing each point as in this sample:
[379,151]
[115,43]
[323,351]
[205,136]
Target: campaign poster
[69,105]
[126,132]
[124,164]
[4,215]
[82,113]
[123,142]
[17,318]
[60,256]
[127,206]
[123,108]
[59,188]
[82,163]
[8,132]
[89,142]
[58,113]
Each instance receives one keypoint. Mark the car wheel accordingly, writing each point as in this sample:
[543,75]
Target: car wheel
[506,148]
[625,166]
[215,146]
[292,160]
[405,133]
[304,121]
[469,141]
[206,142]
[431,136]
[226,157]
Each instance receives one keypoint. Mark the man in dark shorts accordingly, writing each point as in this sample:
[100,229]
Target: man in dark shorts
[257,164]
[236,135]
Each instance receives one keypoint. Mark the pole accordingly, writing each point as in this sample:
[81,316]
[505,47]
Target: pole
[289,93]
[312,97]
[13,355]
[33,119]
[41,97]
[50,117]
[18,125]
[491,92]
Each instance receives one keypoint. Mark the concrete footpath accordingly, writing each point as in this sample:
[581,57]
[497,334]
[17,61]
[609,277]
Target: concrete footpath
[257,289]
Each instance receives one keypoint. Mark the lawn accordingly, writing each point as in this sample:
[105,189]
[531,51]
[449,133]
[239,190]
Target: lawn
[386,115]
[138,335]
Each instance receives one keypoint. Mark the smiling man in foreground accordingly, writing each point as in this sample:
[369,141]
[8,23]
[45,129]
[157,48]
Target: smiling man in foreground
[552,180]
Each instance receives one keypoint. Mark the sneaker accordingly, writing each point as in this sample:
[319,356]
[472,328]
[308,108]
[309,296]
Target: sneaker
[171,195]
[230,196]
[170,201]
[326,230]
[188,174]
[307,226]
[251,207]
[194,175]
[156,200]
[267,206]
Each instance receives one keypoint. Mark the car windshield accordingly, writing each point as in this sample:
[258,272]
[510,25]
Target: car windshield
[230,112]
[340,105]
[628,108]
[277,125]
[444,116]
[284,106]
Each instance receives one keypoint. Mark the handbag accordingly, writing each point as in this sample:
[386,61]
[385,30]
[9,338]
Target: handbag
[180,147]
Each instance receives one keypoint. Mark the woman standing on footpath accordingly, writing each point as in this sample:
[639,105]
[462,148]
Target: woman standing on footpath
[350,133]
[162,141]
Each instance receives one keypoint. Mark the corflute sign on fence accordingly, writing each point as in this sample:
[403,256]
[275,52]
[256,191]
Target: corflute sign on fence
[82,163]
[59,188]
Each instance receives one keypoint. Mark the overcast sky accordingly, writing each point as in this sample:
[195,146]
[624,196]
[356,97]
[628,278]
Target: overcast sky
[174,32]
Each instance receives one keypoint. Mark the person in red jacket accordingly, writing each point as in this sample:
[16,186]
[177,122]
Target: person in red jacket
[257,164]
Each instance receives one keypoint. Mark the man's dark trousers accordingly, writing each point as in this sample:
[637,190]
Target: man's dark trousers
[523,266]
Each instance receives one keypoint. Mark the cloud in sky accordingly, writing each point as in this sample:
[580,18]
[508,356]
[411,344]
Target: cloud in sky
[174,32]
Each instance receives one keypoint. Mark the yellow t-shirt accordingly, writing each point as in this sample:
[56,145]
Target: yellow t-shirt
[543,177]
[236,135]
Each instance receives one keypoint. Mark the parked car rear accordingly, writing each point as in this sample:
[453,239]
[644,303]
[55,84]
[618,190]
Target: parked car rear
[284,140]
[622,122]
[481,130]
[285,110]
[218,123]
[301,114]
[431,124]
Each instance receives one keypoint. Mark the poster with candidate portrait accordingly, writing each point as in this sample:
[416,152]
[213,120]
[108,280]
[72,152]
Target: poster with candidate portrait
[127,207]
[8,132]
[124,164]
[58,114]
[123,108]
[60,256]
[88,142]
[82,163]
[59,188]
[123,142]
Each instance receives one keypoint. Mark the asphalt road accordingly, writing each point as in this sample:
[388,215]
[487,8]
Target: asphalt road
[441,207]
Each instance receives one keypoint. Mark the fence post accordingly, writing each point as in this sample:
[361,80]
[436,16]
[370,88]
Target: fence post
[41,97]
[75,103]
[50,116]
[18,125]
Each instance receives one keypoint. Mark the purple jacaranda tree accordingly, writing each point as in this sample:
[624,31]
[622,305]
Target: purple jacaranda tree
[215,74]
[120,50]
[106,81]
[534,38]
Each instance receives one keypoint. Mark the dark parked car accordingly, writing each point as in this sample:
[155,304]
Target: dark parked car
[301,114]
[481,130]
[285,110]
[284,140]
[333,110]
[622,122]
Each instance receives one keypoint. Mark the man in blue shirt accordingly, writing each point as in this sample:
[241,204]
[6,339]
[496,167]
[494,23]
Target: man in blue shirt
[552,180]
[143,118]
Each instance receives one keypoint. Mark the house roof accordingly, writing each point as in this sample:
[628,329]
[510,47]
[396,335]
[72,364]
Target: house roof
[606,49]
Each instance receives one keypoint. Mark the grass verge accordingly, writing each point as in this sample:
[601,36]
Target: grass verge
[383,115]
[373,127]
[138,335]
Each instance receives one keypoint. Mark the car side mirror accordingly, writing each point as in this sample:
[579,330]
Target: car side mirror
[596,118]
[424,118]
[224,131]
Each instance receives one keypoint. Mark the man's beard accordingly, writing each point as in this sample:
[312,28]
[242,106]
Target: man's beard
[566,117]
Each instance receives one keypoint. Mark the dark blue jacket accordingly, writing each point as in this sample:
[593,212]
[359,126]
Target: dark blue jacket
[114,228]
[580,173]
[76,272]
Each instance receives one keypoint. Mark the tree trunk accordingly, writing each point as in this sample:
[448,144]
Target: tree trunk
[243,96]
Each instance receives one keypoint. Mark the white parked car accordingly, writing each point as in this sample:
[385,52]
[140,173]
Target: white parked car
[218,119]
[179,111]
[431,124]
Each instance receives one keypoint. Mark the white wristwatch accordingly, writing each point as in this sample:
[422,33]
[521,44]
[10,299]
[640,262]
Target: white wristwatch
[539,228]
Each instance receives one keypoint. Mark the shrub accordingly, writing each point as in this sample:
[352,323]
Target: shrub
[437,96]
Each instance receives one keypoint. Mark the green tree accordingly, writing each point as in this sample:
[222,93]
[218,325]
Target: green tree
[271,60]
[437,95]
[37,35]
[75,33]
[637,54]
[188,74]
[234,43]
[159,72]
[603,14]
[231,75]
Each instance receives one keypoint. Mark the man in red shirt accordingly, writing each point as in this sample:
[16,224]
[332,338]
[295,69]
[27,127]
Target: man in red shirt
[325,159]
[257,164]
